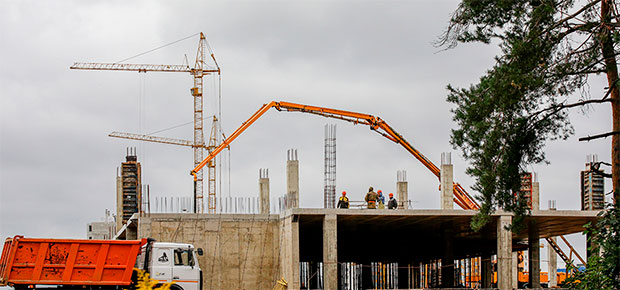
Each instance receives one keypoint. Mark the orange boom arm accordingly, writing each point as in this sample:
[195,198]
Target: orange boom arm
[461,197]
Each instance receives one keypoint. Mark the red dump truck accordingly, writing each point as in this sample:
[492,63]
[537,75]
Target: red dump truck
[96,264]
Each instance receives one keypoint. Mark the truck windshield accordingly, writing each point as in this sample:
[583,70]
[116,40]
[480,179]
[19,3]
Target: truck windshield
[183,257]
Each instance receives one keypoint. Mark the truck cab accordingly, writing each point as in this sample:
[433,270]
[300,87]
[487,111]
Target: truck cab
[172,262]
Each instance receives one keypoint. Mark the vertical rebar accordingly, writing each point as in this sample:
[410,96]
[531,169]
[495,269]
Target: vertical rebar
[329,195]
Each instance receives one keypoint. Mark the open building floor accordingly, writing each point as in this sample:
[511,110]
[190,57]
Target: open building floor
[357,248]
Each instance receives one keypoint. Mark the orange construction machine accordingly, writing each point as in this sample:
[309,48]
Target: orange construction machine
[461,197]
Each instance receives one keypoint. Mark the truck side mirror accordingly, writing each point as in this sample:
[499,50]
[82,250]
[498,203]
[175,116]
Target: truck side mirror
[199,250]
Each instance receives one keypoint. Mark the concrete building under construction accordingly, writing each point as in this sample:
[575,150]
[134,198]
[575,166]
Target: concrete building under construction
[339,248]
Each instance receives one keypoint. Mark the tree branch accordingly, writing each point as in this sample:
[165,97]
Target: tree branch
[556,108]
[559,107]
[571,16]
[597,71]
[604,135]
[606,175]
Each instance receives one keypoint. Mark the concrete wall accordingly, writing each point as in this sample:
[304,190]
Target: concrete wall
[101,230]
[240,251]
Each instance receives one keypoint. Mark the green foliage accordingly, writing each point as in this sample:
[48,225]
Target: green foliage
[602,271]
[146,283]
[504,121]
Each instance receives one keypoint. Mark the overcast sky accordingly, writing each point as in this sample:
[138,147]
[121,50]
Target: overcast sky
[58,167]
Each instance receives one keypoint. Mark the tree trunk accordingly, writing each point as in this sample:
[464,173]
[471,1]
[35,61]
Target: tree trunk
[611,67]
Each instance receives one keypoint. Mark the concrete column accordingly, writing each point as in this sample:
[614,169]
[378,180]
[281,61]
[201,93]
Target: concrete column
[535,194]
[504,253]
[292,178]
[446,181]
[263,189]
[119,201]
[289,252]
[402,192]
[447,259]
[515,270]
[553,265]
[487,272]
[330,252]
[533,251]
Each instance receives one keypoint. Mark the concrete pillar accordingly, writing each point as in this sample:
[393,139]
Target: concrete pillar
[289,252]
[533,251]
[515,270]
[447,258]
[330,252]
[447,181]
[263,189]
[487,272]
[504,253]
[119,201]
[553,265]
[402,191]
[535,193]
[292,178]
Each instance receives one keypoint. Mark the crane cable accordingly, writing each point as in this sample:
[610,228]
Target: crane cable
[154,49]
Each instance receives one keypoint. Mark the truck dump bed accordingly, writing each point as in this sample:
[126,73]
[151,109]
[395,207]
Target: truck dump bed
[67,262]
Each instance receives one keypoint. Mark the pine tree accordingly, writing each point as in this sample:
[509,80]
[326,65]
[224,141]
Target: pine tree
[550,49]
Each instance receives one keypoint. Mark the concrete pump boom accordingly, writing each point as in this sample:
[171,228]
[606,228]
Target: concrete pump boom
[461,197]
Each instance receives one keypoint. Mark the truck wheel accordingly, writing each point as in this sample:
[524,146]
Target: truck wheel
[175,287]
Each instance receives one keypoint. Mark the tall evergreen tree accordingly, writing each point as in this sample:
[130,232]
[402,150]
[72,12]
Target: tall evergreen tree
[550,49]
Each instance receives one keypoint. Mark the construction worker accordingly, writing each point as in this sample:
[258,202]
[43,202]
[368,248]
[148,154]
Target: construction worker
[343,201]
[371,198]
[380,200]
[392,203]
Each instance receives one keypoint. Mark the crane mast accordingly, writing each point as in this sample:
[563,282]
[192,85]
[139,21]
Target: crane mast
[198,127]
[199,70]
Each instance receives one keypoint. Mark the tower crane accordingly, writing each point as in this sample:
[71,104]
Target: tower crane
[199,70]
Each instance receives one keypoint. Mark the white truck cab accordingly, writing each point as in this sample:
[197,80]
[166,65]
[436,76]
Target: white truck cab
[172,262]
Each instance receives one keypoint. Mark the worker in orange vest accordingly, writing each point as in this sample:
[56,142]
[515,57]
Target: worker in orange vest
[371,198]
[343,201]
